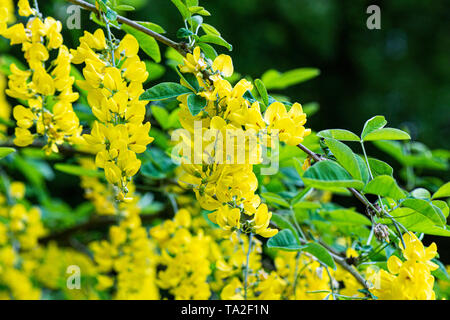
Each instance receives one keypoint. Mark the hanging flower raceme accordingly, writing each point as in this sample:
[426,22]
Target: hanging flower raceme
[410,279]
[114,85]
[223,179]
[45,86]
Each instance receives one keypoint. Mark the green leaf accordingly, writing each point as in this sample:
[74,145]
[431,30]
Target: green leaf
[124,7]
[4,151]
[147,43]
[262,91]
[441,272]
[174,121]
[385,186]
[380,168]
[249,96]
[425,208]
[196,103]
[346,216]
[199,10]
[310,108]
[365,177]
[77,170]
[208,50]
[442,205]
[209,29]
[275,198]
[195,21]
[210,38]
[338,134]
[372,125]
[184,33]
[284,240]
[152,26]
[182,9]
[277,80]
[283,223]
[387,134]
[421,193]
[161,115]
[326,174]
[320,253]
[190,79]
[345,157]
[164,90]
[155,70]
[443,191]
[111,15]
[150,171]
[414,221]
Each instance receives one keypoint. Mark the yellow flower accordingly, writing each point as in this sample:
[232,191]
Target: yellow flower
[223,64]
[24,8]
[17,189]
[261,222]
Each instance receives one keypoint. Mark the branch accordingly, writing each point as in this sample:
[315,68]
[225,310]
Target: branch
[181,47]
[341,261]
[355,192]
[92,224]
[65,150]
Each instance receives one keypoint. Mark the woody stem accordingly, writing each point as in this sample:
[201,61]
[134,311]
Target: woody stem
[180,47]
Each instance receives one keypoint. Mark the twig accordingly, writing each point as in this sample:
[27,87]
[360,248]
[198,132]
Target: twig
[92,224]
[355,192]
[179,46]
[64,150]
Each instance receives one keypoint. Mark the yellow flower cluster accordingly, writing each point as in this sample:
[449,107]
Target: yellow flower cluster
[184,258]
[103,195]
[23,225]
[46,86]
[15,282]
[227,188]
[129,254]
[19,231]
[50,265]
[114,84]
[406,280]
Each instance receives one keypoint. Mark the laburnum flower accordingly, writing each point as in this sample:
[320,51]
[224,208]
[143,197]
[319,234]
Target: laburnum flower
[223,180]
[410,279]
[26,225]
[126,261]
[194,62]
[227,218]
[290,125]
[114,87]
[25,8]
[6,14]
[261,222]
[46,85]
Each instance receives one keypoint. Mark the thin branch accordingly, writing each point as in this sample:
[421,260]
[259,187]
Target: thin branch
[65,150]
[355,192]
[181,47]
[92,224]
